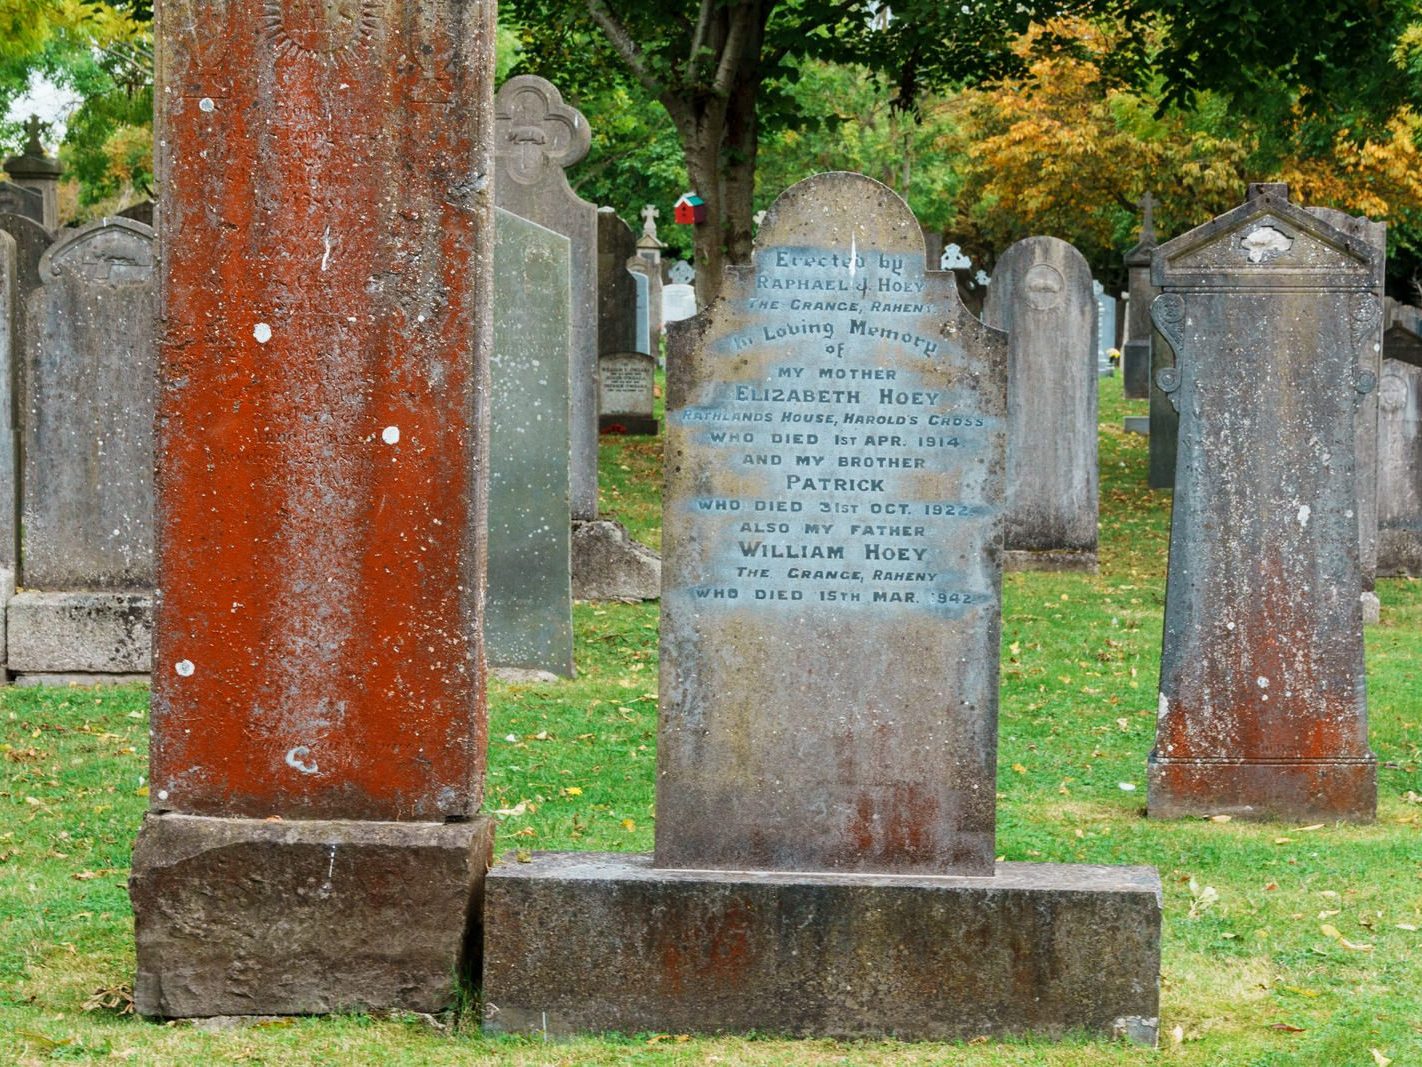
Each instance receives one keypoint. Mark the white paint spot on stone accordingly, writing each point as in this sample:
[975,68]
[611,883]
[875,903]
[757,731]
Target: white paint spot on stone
[185,668]
[390,435]
[1262,682]
[206,104]
[296,759]
[162,794]
[1229,626]
[326,255]
[1265,242]
[1304,512]
[262,332]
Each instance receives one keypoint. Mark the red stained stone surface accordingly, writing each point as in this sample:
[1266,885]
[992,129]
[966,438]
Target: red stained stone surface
[322,427]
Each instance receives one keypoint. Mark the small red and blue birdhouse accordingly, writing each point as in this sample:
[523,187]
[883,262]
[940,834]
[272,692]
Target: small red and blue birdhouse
[689,210]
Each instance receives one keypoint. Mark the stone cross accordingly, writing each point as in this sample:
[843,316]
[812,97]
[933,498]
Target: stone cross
[1263,706]
[649,221]
[317,761]
[536,136]
[1041,296]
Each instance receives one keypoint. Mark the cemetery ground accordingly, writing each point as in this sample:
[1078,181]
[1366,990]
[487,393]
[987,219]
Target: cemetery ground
[1282,944]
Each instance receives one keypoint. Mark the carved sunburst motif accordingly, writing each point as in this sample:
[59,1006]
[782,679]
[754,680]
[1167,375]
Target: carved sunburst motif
[324,30]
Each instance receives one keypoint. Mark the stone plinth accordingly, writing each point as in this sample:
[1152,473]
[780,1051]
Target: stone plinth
[589,942]
[245,916]
[78,633]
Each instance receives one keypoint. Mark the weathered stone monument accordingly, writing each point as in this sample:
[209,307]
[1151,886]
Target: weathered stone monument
[1136,356]
[34,170]
[314,842]
[17,200]
[9,437]
[616,287]
[1400,445]
[649,264]
[835,471]
[1041,298]
[1375,234]
[139,212]
[1105,329]
[681,273]
[528,617]
[643,286]
[628,380]
[1263,702]
[86,496]
[537,136]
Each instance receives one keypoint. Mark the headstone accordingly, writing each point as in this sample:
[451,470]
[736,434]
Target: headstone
[1136,356]
[139,212]
[678,302]
[628,382]
[825,807]
[642,338]
[616,289]
[1263,706]
[1041,297]
[33,169]
[528,618]
[1105,329]
[536,136]
[932,246]
[648,262]
[17,200]
[31,242]
[1366,435]
[9,443]
[1400,445]
[87,470]
[313,842]
[681,273]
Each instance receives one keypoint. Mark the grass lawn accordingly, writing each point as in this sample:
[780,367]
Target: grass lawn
[1282,945]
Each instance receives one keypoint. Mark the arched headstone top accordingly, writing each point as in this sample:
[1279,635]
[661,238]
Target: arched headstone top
[17,200]
[840,209]
[113,251]
[534,129]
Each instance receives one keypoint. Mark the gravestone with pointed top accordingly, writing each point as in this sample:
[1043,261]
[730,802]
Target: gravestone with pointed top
[536,137]
[835,454]
[1400,444]
[1041,297]
[314,842]
[1263,705]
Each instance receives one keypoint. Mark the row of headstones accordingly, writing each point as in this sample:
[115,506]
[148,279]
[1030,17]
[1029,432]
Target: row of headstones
[836,480]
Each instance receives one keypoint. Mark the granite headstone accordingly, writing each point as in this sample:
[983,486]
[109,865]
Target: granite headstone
[1400,445]
[678,302]
[537,136]
[314,841]
[1041,297]
[628,381]
[1105,329]
[616,290]
[642,335]
[528,620]
[17,200]
[1263,700]
[835,481]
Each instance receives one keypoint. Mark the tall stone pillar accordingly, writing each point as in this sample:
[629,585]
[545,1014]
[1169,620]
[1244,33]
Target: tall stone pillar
[37,172]
[317,764]
[1135,359]
[1272,314]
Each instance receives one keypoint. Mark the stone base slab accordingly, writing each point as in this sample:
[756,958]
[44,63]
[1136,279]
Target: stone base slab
[632,425]
[1302,791]
[1137,424]
[79,633]
[592,942]
[1019,559]
[77,678]
[253,917]
[609,565]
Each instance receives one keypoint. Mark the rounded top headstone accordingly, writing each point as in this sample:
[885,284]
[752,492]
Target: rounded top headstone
[841,208]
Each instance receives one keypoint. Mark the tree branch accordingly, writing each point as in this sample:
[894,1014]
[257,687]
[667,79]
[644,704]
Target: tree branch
[623,44]
[731,54]
[698,41]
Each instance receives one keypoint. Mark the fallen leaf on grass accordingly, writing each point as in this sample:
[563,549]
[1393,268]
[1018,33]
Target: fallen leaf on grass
[1379,1058]
[1301,992]
[1286,1028]
[1221,818]
[115,998]
[1315,826]
[1408,927]
[629,825]
[1329,930]
[1019,769]
[1282,840]
[1345,943]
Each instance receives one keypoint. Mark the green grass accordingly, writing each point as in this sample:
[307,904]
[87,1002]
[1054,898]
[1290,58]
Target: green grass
[1250,977]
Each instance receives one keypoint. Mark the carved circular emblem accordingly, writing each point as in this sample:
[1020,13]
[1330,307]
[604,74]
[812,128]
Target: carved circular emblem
[1392,393]
[319,29]
[1167,379]
[1045,285]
